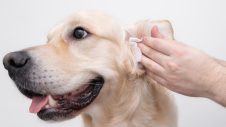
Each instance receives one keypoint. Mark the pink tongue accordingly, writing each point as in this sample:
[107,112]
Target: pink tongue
[38,103]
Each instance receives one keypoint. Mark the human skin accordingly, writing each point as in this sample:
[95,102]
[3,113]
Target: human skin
[182,68]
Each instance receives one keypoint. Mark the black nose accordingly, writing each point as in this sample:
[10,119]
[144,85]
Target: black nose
[16,60]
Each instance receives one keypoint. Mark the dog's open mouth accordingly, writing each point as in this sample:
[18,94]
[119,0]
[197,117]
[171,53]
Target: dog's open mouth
[56,107]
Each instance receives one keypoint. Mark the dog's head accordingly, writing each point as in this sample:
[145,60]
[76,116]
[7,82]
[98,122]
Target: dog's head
[84,56]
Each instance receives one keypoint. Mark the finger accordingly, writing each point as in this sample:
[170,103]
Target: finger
[156,34]
[158,44]
[157,78]
[153,54]
[152,66]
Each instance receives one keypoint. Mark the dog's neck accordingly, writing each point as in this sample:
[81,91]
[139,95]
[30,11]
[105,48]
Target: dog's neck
[138,103]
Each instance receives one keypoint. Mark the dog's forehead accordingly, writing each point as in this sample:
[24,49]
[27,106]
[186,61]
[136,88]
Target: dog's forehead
[96,16]
[96,22]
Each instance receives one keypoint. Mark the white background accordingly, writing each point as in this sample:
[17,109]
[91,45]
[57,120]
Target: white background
[23,23]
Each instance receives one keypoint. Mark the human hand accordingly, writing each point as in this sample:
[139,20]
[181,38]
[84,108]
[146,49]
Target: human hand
[179,67]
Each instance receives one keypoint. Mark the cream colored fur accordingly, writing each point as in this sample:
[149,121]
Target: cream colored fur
[128,98]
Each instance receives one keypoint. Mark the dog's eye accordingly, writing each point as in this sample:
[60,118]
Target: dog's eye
[79,33]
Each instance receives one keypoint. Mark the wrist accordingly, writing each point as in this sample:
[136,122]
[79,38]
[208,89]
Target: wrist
[217,91]
[222,62]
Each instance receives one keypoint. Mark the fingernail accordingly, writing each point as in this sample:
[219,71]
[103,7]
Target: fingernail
[155,28]
[154,31]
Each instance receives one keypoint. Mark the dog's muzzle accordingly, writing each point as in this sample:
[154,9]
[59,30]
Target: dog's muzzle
[18,65]
[21,66]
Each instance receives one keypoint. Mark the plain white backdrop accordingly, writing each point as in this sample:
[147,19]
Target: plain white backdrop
[24,23]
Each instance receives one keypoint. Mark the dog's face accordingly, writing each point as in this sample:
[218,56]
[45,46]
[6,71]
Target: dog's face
[65,75]
[84,61]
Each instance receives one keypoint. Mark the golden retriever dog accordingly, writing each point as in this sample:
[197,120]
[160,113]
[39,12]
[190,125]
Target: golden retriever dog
[89,67]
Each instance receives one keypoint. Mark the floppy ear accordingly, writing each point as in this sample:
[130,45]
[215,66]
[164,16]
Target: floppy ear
[143,28]
[134,33]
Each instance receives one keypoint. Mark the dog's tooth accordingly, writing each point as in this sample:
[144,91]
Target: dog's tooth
[52,102]
[47,106]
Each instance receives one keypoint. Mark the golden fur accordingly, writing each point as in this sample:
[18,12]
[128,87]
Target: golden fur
[128,98]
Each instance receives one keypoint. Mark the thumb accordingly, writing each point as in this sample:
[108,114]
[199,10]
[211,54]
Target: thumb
[155,33]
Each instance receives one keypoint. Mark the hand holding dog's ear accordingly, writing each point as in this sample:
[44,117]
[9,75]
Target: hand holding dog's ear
[182,68]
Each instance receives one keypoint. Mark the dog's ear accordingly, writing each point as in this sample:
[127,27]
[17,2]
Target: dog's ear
[134,33]
[143,28]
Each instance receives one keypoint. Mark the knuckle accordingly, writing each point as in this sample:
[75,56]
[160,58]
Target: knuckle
[179,52]
[150,52]
[172,66]
[147,63]
[164,83]
[173,79]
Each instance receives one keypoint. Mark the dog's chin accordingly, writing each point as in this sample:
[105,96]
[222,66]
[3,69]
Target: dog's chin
[61,107]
